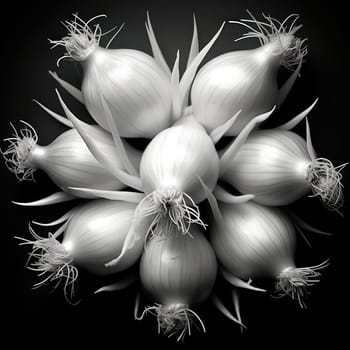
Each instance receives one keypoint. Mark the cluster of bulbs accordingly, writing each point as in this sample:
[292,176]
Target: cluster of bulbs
[144,206]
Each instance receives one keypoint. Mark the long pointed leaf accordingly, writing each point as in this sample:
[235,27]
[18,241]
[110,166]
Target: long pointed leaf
[212,201]
[135,236]
[309,145]
[58,221]
[157,53]
[175,90]
[119,285]
[232,150]
[287,86]
[76,93]
[194,43]
[223,196]
[90,134]
[239,283]
[190,72]
[223,309]
[300,231]
[296,120]
[54,115]
[117,139]
[304,225]
[236,305]
[133,197]
[221,130]
[58,197]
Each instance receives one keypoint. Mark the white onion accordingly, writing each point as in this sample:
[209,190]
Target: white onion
[246,80]
[94,233]
[254,241]
[134,85]
[178,272]
[66,160]
[277,168]
[170,167]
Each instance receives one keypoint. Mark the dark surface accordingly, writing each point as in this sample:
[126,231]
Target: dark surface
[39,319]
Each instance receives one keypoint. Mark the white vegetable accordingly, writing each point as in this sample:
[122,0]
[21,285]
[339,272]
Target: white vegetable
[246,80]
[93,234]
[66,160]
[178,272]
[278,167]
[134,85]
[170,167]
[254,241]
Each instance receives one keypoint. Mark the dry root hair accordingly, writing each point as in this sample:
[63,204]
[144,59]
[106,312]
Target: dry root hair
[52,262]
[81,40]
[272,30]
[174,320]
[171,209]
[295,282]
[18,154]
[325,180]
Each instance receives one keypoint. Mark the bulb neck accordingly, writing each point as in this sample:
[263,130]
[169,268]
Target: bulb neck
[273,51]
[37,157]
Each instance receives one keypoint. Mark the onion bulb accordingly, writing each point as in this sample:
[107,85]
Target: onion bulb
[253,241]
[178,272]
[278,167]
[134,85]
[170,168]
[66,160]
[93,234]
[246,80]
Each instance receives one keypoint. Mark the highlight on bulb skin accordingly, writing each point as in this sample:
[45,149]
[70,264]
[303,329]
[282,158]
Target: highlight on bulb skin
[295,282]
[174,320]
[325,180]
[18,154]
[53,262]
[291,48]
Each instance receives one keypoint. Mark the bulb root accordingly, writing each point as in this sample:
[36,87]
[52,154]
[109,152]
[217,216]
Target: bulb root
[325,180]
[81,39]
[52,262]
[175,319]
[295,282]
[171,209]
[272,30]
[18,154]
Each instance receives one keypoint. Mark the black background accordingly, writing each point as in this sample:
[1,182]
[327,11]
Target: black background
[38,318]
